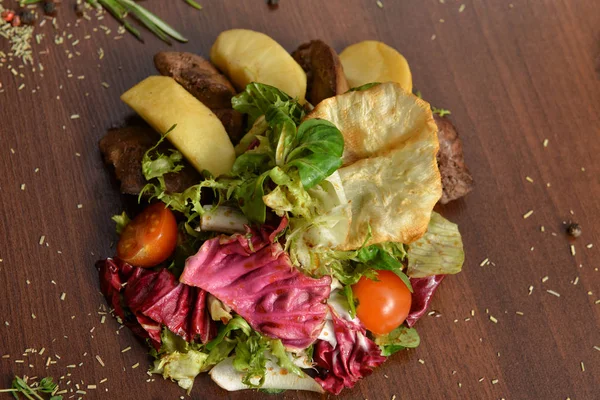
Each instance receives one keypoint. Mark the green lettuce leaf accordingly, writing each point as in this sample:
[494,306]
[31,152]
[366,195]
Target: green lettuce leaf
[251,359]
[181,367]
[121,221]
[259,128]
[282,133]
[399,339]
[349,266]
[283,357]
[251,163]
[439,251]
[236,323]
[178,360]
[350,298]
[309,240]
[171,343]
[155,165]
[289,195]
[249,195]
[317,151]
[385,256]
[256,99]
[220,352]
[252,351]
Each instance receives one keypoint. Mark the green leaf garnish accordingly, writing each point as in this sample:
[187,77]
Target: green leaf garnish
[121,9]
[31,390]
[351,303]
[121,221]
[194,4]
[442,112]
[399,339]
[439,251]
[317,151]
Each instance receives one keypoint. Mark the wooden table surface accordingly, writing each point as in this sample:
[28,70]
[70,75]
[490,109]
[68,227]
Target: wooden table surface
[513,75]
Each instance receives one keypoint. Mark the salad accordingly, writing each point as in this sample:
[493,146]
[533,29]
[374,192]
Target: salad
[287,238]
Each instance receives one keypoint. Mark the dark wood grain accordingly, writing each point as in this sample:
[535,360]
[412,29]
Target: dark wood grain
[512,76]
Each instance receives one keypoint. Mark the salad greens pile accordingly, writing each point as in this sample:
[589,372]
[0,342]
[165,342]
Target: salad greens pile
[285,170]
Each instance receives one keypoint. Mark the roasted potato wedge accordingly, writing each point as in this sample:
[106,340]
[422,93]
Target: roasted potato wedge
[199,134]
[247,56]
[373,61]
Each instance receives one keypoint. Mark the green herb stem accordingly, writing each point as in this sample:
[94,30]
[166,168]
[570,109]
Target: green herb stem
[149,18]
[194,4]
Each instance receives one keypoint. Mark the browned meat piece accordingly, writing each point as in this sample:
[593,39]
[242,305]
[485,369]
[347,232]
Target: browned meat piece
[324,72]
[456,178]
[233,122]
[124,148]
[199,77]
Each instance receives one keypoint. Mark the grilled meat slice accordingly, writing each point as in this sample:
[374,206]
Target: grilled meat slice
[456,178]
[324,72]
[124,149]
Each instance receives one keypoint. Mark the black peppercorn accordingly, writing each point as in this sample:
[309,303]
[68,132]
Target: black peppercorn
[574,230]
[79,10]
[27,17]
[273,4]
[49,8]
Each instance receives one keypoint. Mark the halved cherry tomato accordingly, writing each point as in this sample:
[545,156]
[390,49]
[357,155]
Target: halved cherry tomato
[150,238]
[383,305]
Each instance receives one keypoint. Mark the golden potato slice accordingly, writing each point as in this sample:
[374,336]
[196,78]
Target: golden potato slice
[247,56]
[373,61]
[199,134]
[390,173]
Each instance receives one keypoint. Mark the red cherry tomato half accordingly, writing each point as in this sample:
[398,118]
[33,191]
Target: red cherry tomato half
[383,305]
[150,238]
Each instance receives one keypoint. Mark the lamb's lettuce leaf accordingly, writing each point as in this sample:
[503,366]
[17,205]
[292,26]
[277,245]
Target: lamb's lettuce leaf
[317,151]
[282,133]
[438,252]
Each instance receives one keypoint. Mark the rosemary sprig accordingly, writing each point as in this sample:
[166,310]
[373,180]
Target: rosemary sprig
[194,4]
[121,9]
[28,2]
[120,13]
[31,392]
